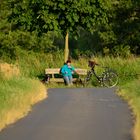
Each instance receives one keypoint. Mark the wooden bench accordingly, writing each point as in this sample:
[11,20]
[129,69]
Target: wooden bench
[55,76]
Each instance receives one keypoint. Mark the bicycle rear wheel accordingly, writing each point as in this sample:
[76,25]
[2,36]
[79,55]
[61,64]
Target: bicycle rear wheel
[110,79]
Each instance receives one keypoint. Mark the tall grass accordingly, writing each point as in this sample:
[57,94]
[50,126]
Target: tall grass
[8,70]
[17,94]
[34,64]
[127,69]
[131,92]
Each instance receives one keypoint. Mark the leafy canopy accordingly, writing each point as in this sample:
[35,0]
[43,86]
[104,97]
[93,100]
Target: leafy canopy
[58,15]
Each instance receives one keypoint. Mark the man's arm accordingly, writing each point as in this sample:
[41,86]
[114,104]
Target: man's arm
[64,70]
[74,70]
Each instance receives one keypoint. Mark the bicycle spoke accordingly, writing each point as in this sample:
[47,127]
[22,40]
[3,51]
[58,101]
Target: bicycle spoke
[110,79]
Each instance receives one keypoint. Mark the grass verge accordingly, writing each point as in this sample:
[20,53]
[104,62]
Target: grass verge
[17,94]
[131,93]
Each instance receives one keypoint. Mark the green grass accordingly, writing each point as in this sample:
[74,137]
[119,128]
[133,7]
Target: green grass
[34,64]
[131,93]
[17,96]
[127,69]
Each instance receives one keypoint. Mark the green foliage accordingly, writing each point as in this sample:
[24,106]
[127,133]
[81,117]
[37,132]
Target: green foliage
[13,43]
[114,26]
[62,15]
[122,50]
[122,28]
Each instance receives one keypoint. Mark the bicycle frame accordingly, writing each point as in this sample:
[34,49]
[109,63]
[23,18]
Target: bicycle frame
[93,72]
[108,78]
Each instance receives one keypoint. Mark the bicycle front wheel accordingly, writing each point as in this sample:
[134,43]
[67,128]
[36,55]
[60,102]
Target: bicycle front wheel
[110,79]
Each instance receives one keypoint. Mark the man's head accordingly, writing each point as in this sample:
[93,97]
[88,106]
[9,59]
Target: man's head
[68,62]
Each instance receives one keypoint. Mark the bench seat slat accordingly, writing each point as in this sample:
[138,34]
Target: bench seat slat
[57,70]
[52,71]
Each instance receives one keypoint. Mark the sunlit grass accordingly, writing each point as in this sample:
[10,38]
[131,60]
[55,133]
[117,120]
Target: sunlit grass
[127,69]
[9,70]
[16,97]
[17,94]
[131,92]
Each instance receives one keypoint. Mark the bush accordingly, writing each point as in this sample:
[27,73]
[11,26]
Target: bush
[11,44]
[121,50]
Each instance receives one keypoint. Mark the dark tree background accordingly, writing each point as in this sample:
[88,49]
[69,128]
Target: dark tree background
[94,27]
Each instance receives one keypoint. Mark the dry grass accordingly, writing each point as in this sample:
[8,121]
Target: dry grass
[9,70]
[19,106]
[17,94]
[131,93]
[137,129]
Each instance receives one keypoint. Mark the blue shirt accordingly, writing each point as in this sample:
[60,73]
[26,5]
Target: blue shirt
[67,70]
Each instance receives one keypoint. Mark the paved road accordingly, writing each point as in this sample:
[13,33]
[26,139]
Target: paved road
[75,114]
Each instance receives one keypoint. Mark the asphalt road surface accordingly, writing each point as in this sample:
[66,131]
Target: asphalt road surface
[75,114]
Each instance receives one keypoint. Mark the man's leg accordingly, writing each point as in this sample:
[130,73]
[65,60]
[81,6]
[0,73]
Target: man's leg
[70,80]
[66,80]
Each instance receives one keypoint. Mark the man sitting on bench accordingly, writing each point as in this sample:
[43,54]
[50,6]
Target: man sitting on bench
[67,70]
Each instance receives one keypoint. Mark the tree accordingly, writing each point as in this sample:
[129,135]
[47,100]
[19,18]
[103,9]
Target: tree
[60,15]
[121,35]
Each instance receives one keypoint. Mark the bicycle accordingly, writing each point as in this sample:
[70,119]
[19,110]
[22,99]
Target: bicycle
[108,78]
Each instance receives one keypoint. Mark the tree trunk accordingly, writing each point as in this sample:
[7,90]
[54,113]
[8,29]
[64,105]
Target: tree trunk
[66,47]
